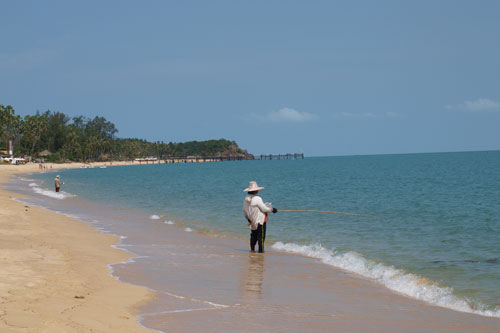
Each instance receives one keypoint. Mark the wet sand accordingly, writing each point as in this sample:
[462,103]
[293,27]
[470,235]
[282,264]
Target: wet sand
[54,274]
[215,284]
[203,282]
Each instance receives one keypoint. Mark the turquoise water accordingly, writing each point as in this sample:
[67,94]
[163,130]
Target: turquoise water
[435,235]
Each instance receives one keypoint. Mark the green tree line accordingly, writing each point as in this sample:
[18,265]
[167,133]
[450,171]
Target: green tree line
[85,139]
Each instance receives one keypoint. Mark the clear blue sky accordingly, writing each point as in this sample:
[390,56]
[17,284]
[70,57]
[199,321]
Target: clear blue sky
[323,77]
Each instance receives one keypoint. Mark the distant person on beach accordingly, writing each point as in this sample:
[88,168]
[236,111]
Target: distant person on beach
[57,183]
[255,211]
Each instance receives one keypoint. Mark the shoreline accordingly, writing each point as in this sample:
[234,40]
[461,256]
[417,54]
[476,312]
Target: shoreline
[221,283]
[365,305]
[56,270]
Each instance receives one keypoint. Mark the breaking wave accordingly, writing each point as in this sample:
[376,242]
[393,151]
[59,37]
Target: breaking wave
[56,195]
[405,283]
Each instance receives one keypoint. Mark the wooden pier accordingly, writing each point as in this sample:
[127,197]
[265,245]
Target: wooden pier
[197,159]
[295,156]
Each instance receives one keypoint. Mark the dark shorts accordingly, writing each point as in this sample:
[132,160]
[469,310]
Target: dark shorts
[57,189]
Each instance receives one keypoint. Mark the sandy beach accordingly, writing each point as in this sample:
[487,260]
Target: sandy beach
[54,271]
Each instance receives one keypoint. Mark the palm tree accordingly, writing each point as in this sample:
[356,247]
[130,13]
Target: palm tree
[32,128]
[9,123]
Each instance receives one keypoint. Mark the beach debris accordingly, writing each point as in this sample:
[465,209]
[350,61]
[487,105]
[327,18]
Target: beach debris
[79,297]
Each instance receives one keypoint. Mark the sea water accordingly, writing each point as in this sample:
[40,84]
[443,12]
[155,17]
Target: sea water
[433,233]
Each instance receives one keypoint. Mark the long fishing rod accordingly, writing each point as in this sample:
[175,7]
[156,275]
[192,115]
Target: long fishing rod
[321,211]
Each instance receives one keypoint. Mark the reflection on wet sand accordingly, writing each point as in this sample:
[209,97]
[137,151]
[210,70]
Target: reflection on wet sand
[252,277]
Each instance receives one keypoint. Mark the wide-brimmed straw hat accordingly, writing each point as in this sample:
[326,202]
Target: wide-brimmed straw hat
[252,186]
[58,176]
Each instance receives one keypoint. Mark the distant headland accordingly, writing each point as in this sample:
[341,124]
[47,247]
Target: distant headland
[56,137]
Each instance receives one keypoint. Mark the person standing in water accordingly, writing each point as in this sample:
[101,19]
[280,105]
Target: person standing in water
[255,211]
[57,183]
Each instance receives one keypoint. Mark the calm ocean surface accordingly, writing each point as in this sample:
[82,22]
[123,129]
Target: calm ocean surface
[436,235]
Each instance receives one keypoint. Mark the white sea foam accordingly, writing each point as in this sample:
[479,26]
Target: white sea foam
[169,222]
[56,195]
[213,306]
[27,179]
[154,217]
[188,229]
[175,311]
[33,184]
[28,202]
[73,216]
[216,305]
[395,279]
